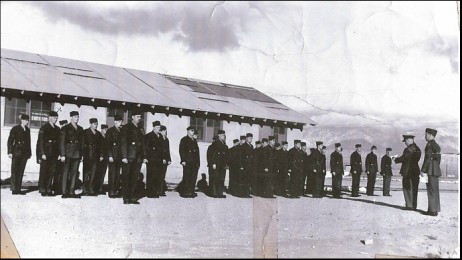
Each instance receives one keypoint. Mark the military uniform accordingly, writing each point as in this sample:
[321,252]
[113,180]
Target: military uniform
[308,174]
[336,168]
[355,171]
[132,147]
[386,172]
[91,157]
[70,147]
[317,166]
[233,163]
[114,150]
[154,182]
[371,169]
[410,171]
[246,169]
[282,167]
[431,166]
[20,147]
[101,166]
[58,174]
[47,144]
[167,158]
[323,173]
[217,155]
[296,160]
[189,154]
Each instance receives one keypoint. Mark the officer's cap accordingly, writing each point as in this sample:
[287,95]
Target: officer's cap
[407,137]
[118,118]
[74,113]
[303,143]
[431,131]
[103,126]
[277,145]
[319,143]
[24,117]
[324,147]
[249,135]
[242,137]
[297,141]
[389,149]
[374,147]
[221,132]
[52,113]
[264,140]
[358,145]
[337,145]
[162,128]
[271,137]
[137,112]
[257,142]
[284,142]
[155,123]
[190,128]
[63,122]
[93,120]
[312,150]
[235,141]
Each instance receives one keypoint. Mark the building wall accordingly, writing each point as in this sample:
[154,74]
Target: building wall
[176,129]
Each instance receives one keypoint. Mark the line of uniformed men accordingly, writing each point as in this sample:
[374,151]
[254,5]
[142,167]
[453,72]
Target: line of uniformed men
[268,169]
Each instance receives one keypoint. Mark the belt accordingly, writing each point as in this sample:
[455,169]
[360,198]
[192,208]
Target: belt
[52,141]
[71,142]
[115,143]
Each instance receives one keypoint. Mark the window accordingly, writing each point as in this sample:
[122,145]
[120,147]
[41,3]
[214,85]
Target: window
[280,133]
[126,115]
[206,128]
[37,111]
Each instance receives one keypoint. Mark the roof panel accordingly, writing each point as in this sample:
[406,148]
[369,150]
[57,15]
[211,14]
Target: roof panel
[24,56]
[10,78]
[194,86]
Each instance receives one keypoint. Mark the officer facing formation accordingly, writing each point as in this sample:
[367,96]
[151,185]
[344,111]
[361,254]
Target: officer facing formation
[356,170]
[371,170]
[410,171]
[336,168]
[48,152]
[217,162]
[386,172]
[19,150]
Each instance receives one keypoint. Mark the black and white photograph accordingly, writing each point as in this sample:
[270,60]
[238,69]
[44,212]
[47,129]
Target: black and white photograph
[230,129]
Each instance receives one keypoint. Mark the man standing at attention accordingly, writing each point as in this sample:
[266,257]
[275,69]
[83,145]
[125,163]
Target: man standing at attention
[371,170]
[431,166]
[19,151]
[356,170]
[385,171]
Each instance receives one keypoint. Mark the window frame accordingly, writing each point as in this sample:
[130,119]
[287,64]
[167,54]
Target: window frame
[204,128]
[27,110]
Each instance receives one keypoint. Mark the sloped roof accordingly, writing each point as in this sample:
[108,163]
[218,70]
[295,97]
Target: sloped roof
[37,76]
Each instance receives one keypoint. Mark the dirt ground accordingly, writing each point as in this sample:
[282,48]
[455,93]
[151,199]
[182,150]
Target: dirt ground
[233,227]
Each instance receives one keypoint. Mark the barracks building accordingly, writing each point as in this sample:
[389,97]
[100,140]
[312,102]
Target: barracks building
[35,84]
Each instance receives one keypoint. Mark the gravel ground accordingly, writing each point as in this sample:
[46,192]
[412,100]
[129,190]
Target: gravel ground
[233,227]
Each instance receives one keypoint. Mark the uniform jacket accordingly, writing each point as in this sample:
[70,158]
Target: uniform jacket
[247,156]
[103,145]
[323,163]
[47,142]
[385,165]
[356,162]
[371,163]
[113,138]
[296,159]
[153,144]
[91,144]
[19,142]
[410,161]
[234,157]
[189,151]
[166,149]
[432,159]
[132,142]
[71,142]
[336,163]
[281,160]
[217,153]
[317,162]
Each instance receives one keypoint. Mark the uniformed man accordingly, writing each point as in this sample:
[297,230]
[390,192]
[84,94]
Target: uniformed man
[336,168]
[324,168]
[386,172]
[233,164]
[306,175]
[114,153]
[372,168]
[431,167]
[410,171]
[166,160]
[356,168]
[309,175]
[271,159]
[189,156]
[101,167]
[296,158]
[282,165]
[91,156]
[217,161]
[246,167]
[48,152]
[153,143]
[58,174]
[19,150]
[254,177]
[258,144]
[317,166]
[71,153]
[133,156]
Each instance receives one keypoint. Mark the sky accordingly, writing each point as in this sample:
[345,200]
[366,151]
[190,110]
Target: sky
[395,62]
